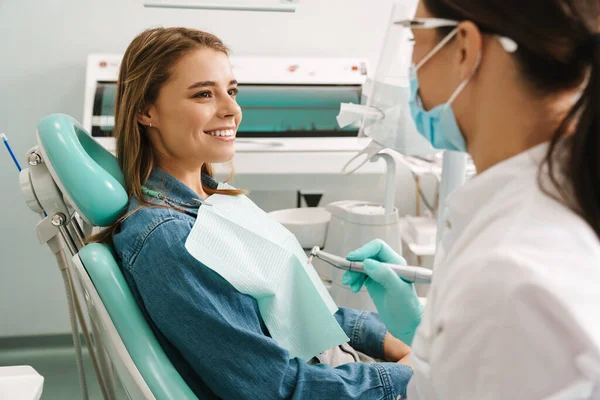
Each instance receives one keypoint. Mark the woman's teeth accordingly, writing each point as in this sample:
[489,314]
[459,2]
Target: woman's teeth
[229,132]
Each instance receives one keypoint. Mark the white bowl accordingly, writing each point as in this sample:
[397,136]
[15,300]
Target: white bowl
[308,224]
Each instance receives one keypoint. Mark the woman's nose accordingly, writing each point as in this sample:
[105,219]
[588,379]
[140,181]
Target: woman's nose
[229,107]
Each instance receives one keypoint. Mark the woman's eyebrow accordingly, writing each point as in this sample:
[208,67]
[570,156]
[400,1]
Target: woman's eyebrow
[210,83]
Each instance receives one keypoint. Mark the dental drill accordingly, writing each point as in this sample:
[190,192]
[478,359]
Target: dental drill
[406,272]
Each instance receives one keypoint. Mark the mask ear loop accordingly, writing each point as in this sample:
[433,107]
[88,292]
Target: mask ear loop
[432,53]
[465,81]
[437,48]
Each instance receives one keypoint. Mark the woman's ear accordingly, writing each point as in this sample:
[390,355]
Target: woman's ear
[469,40]
[144,118]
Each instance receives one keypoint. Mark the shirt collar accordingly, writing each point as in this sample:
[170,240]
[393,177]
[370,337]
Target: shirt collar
[175,191]
[464,204]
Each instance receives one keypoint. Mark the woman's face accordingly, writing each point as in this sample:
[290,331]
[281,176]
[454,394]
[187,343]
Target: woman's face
[437,77]
[196,116]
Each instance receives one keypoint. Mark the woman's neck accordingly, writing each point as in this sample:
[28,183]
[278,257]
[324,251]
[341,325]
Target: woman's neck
[191,176]
[515,127]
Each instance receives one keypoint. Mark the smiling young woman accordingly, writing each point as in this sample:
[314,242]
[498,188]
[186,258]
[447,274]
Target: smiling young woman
[176,114]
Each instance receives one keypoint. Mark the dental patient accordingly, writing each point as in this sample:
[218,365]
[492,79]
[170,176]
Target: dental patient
[176,114]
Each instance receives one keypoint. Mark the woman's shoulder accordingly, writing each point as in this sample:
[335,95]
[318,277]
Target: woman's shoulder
[144,220]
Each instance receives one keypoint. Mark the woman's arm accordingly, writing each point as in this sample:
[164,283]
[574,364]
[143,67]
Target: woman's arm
[218,330]
[368,335]
[395,349]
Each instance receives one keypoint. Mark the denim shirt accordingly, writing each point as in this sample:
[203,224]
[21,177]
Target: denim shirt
[214,335]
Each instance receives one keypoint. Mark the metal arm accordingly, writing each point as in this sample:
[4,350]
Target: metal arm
[42,195]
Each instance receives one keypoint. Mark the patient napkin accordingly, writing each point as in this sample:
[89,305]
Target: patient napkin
[260,258]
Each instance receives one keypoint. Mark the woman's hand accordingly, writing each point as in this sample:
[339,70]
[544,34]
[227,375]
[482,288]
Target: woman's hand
[405,360]
[394,349]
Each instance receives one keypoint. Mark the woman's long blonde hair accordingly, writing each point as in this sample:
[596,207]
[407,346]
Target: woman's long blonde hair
[146,66]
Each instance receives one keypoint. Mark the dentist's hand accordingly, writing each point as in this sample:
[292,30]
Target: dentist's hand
[395,299]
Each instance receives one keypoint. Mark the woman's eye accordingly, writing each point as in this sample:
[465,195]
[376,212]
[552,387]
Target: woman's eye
[205,95]
[233,92]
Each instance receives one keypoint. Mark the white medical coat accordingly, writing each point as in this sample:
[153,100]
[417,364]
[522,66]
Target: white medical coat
[514,308]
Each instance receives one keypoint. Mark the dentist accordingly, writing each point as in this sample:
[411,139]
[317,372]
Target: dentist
[513,309]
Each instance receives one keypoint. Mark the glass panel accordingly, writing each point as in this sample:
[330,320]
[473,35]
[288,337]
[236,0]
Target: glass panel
[294,111]
[269,111]
[104,109]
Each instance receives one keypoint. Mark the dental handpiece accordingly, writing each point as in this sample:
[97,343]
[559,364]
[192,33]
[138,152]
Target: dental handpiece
[406,272]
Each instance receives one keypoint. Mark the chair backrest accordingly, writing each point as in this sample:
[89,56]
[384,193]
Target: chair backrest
[91,181]
[142,366]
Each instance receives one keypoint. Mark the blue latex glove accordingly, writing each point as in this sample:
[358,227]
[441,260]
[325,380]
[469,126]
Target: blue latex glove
[395,299]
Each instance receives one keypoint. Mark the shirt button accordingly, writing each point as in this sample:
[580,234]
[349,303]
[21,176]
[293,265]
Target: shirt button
[448,224]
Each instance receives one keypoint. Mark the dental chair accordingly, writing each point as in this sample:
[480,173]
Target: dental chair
[76,185]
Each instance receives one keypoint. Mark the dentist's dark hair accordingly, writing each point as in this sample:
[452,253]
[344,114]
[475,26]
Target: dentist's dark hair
[559,49]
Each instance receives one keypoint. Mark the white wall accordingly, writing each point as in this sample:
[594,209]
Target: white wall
[43,49]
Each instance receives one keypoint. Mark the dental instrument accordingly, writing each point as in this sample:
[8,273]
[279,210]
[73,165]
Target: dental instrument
[406,272]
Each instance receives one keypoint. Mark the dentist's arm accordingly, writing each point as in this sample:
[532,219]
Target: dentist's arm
[395,299]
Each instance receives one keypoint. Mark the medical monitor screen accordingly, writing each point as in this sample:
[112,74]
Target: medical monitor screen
[269,111]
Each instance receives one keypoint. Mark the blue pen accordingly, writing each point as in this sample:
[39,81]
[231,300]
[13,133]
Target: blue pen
[5,140]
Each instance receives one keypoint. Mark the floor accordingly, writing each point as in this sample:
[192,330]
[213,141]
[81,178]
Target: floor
[57,364]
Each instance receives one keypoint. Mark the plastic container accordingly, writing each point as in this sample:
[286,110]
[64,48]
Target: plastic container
[308,224]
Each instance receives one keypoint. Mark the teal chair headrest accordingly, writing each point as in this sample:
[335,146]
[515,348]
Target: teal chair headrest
[87,173]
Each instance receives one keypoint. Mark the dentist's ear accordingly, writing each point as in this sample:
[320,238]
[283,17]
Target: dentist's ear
[470,40]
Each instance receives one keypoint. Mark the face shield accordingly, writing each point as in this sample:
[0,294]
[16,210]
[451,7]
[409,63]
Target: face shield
[385,117]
